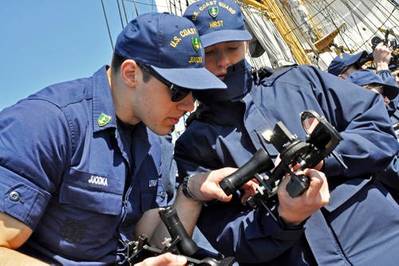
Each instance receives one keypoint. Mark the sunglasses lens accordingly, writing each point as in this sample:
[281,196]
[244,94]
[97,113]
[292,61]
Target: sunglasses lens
[179,94]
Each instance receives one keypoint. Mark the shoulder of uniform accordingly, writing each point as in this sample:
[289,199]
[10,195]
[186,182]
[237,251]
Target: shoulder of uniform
[65,93]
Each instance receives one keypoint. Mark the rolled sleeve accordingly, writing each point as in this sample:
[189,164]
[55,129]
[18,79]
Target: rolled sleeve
[21,201]
[33,150]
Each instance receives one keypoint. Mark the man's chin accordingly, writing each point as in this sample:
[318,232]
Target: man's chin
[163,131]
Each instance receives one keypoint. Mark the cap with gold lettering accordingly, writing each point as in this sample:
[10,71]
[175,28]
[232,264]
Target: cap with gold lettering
[218,21]
[171,46]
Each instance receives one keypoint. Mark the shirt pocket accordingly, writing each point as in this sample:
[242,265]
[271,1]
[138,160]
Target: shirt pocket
[91,192]
[95,201]
[87,213]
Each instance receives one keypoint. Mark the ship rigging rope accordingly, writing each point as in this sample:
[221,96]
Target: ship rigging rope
[124,11]
[344,36]
[328,14]
[135,7]
[314,15]
[106,22]
[341,34]
[147,4]
[356,17]
[374,29]
[394,3]
[378,3]
[120,13]
[297,27]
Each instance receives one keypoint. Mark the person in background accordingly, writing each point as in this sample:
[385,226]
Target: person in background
[371,81]
[345,64]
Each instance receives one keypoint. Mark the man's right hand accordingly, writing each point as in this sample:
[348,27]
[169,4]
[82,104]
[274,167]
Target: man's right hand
[166,259]
[382,56]
[296,210]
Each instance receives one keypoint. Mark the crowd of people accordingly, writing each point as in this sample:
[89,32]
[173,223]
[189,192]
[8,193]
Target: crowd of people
[86,164]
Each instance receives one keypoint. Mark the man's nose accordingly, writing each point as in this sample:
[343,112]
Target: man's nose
[187,103]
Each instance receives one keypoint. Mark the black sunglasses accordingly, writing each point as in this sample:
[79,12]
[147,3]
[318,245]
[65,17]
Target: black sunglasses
[177,93]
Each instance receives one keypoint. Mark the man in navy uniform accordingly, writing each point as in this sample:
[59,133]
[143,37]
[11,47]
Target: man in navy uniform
[344,65]
[372,82]
[359,226]
[82,161]
[388,91]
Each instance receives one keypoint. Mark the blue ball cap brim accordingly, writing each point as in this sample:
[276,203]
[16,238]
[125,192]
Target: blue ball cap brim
[220,36]
[338,65]
[365,77]
[353,59]
[191,78]
[391,91]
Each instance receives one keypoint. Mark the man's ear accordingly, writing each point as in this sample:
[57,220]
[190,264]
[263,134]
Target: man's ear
[128,72]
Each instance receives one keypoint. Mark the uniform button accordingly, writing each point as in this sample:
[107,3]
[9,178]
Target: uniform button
[14,196]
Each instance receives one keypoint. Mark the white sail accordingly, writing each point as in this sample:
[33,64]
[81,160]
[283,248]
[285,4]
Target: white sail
[277,53]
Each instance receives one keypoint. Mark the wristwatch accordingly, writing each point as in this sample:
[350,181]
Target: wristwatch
[185,188]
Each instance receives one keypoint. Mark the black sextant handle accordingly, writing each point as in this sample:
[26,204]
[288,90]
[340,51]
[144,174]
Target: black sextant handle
[297,185]
[260,162]
[177,231]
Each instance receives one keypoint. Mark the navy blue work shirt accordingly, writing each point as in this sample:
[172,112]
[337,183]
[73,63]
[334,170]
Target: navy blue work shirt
[392,107]
[78,179]
[228,134]
[390,175]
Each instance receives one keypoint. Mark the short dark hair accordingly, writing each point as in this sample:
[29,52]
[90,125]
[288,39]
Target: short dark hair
[117,61]
[374,86]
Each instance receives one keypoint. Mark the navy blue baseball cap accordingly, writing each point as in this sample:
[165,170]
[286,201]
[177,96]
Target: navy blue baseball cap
[218,21]
[171,46]
[340,62]
[366,77]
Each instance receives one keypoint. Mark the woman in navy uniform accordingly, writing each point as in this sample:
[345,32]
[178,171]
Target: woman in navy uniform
[359,226]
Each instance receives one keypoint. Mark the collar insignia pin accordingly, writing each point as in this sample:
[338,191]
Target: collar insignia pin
[103,120]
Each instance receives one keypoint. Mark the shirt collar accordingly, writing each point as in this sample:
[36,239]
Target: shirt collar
[103,107]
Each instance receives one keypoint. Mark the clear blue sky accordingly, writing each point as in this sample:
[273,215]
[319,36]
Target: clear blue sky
[48,41]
